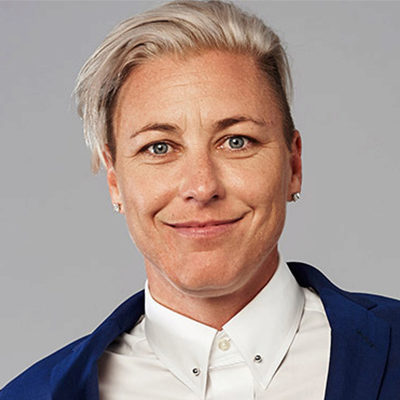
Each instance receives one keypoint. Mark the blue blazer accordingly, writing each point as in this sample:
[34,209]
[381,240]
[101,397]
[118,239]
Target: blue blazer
[364,360]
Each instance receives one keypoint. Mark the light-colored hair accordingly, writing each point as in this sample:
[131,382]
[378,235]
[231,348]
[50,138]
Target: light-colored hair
[179,27]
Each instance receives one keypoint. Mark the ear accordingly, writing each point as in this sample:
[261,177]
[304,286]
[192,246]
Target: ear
[295,166]
[112,181]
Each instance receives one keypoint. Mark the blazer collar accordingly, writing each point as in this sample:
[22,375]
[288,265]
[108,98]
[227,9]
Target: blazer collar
[359,340]
[359,344]
[75,377]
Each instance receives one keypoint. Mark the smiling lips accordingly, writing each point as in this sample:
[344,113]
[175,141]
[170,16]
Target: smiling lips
[204,229]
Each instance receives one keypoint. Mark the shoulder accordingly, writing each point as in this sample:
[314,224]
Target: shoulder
[383,307]
[69,369]
[33,383]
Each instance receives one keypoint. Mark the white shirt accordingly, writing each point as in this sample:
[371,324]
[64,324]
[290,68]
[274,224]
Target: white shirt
[277,347]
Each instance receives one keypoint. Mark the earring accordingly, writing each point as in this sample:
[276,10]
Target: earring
[295,196]
[117,207]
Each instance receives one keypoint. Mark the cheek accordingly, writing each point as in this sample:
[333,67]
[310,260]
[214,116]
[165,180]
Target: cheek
[263,188]
[262,183]
[144,192]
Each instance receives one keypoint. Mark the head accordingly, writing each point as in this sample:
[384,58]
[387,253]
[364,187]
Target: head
[180,28]
[187,107]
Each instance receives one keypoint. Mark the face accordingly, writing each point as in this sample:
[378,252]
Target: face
[202,170]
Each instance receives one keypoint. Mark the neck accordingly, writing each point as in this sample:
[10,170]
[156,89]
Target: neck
[214,310]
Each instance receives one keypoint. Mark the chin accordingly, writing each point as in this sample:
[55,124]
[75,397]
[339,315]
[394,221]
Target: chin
[205,280]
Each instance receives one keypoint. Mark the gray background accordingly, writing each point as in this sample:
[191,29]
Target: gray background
[66,260]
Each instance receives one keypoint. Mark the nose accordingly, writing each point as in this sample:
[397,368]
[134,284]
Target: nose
[201,181]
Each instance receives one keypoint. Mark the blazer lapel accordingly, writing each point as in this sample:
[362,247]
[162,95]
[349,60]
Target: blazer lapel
[75,377]
[360,341]
[359,349]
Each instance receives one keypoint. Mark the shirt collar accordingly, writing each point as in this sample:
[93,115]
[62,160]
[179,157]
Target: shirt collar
[264,342]
[183,345]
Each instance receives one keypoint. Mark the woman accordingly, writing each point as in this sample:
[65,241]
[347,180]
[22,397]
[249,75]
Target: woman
[187,108]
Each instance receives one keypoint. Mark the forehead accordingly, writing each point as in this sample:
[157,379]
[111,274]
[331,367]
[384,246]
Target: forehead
[213,83]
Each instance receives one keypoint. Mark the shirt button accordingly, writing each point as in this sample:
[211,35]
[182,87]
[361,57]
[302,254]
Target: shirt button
[257,358]
[224,345]
[196,371]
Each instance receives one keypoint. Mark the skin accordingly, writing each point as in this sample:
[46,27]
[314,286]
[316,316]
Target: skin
[203,175]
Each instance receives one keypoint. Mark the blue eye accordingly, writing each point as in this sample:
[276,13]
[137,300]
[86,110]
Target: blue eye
[159,148]
[236,142]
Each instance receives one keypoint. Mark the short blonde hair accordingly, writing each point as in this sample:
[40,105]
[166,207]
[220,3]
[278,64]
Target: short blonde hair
[179,27]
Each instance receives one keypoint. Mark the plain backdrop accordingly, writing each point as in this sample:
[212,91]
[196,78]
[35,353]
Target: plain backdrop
[66,261]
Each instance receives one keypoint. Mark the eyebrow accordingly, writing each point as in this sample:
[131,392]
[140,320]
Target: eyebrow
[228,122]
[216,127]
[156,127]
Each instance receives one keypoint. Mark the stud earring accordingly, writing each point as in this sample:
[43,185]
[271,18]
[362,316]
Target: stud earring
[295,196]
[117,207]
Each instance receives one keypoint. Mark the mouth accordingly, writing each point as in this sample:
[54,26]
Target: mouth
[204,228]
